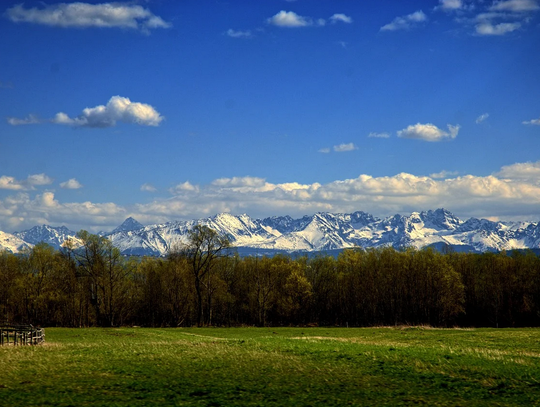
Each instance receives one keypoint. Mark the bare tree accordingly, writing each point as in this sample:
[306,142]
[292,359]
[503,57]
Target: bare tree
[205,246]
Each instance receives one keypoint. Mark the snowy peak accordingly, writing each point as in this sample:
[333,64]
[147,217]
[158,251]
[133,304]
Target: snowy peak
[440,219]
[55,236]
[128,225]
[11,243]
[318,232]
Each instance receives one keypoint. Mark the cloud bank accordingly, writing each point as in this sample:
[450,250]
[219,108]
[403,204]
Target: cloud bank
[85,15]
[511,193]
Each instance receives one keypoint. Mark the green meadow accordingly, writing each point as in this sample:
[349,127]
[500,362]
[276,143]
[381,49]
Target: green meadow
[274,367]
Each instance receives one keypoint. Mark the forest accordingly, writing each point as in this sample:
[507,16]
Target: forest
[205,283]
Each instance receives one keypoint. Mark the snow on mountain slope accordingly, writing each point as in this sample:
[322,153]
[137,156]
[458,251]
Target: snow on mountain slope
[322,231]
[128,225]
[55,236]
[12,243]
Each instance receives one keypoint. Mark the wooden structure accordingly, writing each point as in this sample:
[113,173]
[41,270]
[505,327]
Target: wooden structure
[21,335]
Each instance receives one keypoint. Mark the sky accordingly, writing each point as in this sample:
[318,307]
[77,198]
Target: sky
[173,110]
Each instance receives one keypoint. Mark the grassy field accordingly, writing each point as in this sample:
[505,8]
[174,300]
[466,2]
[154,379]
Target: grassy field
[274,367]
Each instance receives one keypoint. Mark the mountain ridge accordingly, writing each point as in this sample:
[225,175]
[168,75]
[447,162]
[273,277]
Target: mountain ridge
[322,231]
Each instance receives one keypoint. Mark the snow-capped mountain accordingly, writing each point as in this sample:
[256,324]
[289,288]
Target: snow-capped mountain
[330,231]
[55,236]
[319,232]
[128,225]
[11,243]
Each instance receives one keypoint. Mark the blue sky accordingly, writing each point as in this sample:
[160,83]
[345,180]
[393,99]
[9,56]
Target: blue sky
[167,110]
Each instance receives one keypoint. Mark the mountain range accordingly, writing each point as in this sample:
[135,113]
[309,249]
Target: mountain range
[319,232]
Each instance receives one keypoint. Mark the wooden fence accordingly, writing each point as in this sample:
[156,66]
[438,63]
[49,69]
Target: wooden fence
[21,335]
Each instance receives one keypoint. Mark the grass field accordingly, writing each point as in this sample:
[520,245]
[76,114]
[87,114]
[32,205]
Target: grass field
[274,367]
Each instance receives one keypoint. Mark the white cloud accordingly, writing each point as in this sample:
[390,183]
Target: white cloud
[30,119]
[467,195]
[481,118]
[487,28]
[511,193]
[38,179]
[148,188]
[504,17]
[324,150]
[378,135]
[450,5]
[444,174]
[533,121]
[84,15]
[184,187]
[21,211]
[341,148]
[515,5]
[528,172]
[8,182]
[71,183]
[405,22]
[338,17]
[289,19]
[117,109]
[238,34]
[429,132]
[239,182]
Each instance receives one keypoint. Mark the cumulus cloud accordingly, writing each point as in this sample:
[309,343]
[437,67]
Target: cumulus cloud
[528,172]
[30,119]
[512,196]
[39,179]
[339,17]
[289,19]
[148,188]
[405,22]
[238,34]
[118,109]
[533,121]
[184,187]
[84,15]
[22,211]
[481,118]
[8,182]
[71,183]
[429,132]
[513,192]
[378,135]
[341,148]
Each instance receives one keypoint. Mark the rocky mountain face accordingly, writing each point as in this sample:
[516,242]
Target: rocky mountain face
[55,236]
[318,232]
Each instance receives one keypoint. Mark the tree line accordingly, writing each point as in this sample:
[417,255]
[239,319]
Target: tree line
[205,283]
